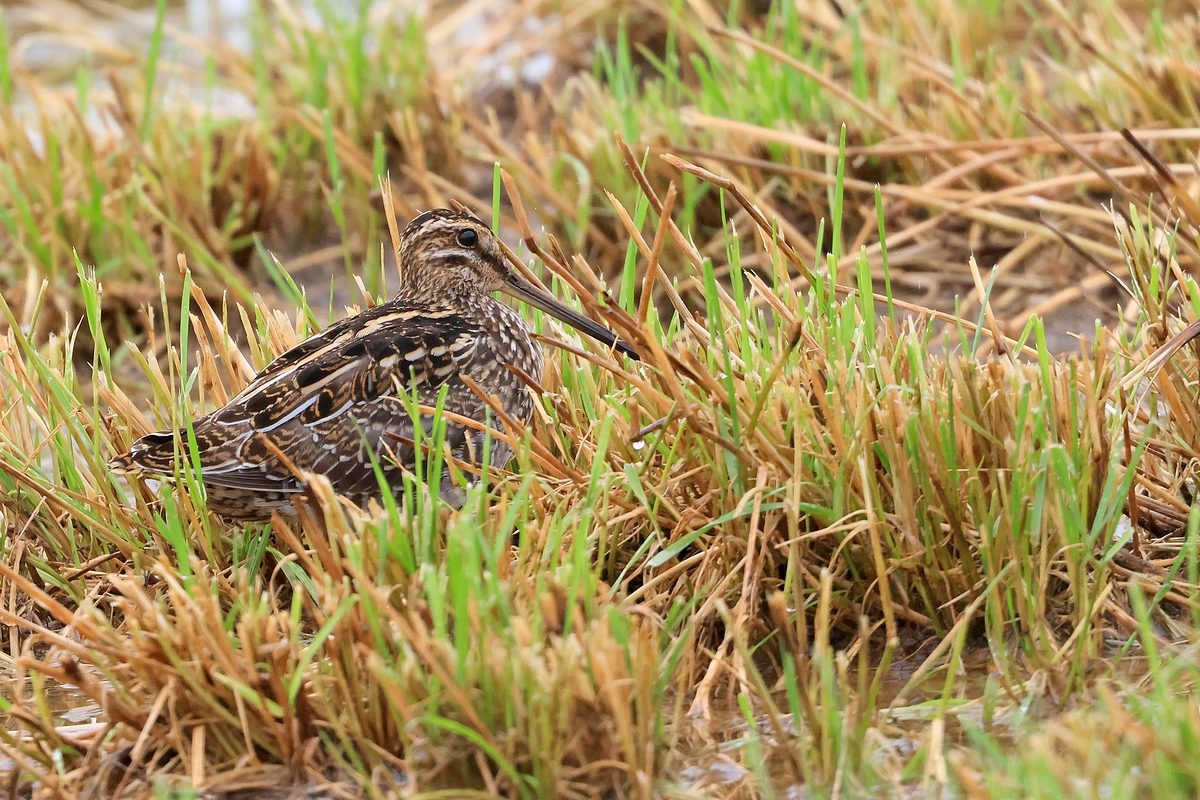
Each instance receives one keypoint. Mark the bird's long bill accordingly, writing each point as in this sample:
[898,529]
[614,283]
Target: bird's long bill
[526,292]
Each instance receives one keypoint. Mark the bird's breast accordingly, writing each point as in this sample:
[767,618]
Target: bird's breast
[511,342]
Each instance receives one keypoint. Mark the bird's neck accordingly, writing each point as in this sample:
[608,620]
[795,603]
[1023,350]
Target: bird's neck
[457,296]
[421,291]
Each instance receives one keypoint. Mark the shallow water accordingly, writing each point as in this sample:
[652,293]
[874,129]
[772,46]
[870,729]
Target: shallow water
[67,705]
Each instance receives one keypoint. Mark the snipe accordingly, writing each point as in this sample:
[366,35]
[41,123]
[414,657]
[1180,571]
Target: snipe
[329,402]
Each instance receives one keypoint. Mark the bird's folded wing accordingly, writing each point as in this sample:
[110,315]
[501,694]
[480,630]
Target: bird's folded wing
[316,403]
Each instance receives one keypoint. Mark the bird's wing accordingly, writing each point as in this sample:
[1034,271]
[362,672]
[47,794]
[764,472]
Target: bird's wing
[315,403]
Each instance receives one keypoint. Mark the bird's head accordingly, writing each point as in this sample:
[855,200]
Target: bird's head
[444,252]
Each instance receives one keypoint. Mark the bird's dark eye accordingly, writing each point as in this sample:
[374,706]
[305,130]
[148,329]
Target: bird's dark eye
[468,237]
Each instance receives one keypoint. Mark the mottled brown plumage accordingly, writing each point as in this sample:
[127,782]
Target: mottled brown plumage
[323,403]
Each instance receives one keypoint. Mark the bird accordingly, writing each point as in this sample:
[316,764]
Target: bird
[341,402]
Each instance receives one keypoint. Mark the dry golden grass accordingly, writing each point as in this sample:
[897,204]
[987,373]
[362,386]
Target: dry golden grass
[701,572]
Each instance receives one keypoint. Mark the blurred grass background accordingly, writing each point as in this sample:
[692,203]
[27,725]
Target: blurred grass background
[268,121]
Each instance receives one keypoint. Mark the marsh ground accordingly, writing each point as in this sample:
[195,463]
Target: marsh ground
[866,521]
